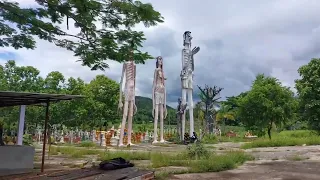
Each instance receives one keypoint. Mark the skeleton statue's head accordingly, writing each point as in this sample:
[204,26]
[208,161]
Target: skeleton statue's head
[179,100]
[159,62]
[187,38]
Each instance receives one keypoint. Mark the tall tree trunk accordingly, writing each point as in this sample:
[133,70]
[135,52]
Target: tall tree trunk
[204,131]
[211,124]
[1,133]
[269,132]
[209,119]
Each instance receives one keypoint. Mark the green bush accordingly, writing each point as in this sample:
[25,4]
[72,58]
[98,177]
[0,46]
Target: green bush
[223,162]
[27,139]
[197,150]
[209,139]
[211,163]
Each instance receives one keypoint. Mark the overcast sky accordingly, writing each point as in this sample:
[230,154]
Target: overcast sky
[238,40]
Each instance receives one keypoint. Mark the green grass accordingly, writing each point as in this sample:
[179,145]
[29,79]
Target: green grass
[197,159]
[129,155]
[240,131]
[211,163]
[212,139]
[285,138]
[296,134]
[73,152]
[76,152]
[87,144]
[204,161]
[215,163]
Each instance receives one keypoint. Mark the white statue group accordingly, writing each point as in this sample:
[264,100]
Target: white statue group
[158,92]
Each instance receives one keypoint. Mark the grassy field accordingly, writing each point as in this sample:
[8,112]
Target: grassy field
[286,138]
[196,158]
[283,138]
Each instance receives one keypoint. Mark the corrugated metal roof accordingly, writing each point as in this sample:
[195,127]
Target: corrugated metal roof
[10,98]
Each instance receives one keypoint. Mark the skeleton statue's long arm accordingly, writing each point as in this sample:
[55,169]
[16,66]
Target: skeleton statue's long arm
[194,51]
[121,81]
[182,59]
[154,87]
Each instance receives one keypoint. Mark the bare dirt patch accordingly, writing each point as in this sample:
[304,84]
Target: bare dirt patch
[278,163]
[280,170]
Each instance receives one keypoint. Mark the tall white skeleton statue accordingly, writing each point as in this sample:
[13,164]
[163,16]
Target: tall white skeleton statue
[159,99]
[130,108]
[187,78]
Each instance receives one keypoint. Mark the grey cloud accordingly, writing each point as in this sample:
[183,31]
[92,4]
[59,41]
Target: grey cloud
[238,40]
[310,50]
[163,39]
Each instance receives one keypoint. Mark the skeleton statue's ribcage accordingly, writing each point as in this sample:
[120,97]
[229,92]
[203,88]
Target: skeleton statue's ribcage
[130,71]
[187,62]
[130,79]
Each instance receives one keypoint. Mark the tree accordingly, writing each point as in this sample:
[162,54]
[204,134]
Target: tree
[225,113]
[98,107]
[232,104]
[308,92]
[199,114]
[103,99]
[268,103]
[92,44]
[208,96]
[233,101]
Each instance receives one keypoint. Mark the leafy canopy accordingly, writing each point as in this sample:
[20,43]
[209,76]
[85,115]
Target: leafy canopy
[308,88]
[92,44]
[97,108]
[267,103]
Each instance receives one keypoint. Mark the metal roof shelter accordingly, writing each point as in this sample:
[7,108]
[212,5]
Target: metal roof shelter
[10,98]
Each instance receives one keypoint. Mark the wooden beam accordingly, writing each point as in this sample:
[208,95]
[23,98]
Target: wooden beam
[45,136]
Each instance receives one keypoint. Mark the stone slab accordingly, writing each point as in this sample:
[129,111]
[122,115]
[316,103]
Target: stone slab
[16,159]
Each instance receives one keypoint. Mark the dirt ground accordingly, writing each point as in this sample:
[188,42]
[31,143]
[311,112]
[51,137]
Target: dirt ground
[276,170]
[282,163]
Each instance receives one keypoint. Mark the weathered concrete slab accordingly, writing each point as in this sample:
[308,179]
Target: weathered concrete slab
[16,159]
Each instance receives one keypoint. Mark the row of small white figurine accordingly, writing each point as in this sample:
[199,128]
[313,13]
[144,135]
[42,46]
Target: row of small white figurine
[91,136]
[115,139]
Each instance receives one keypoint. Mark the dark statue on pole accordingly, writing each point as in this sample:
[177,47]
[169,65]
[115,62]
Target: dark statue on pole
[180,111]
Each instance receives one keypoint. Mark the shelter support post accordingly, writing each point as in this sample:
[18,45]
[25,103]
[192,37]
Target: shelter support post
[21,124]
[45,136]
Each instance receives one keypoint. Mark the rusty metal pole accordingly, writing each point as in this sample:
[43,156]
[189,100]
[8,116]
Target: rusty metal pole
[45,136]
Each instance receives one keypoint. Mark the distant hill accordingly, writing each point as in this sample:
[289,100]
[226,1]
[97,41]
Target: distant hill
[144,113]
[144,102]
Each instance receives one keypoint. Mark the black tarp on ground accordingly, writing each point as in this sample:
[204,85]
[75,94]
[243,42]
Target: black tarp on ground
[115,163]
